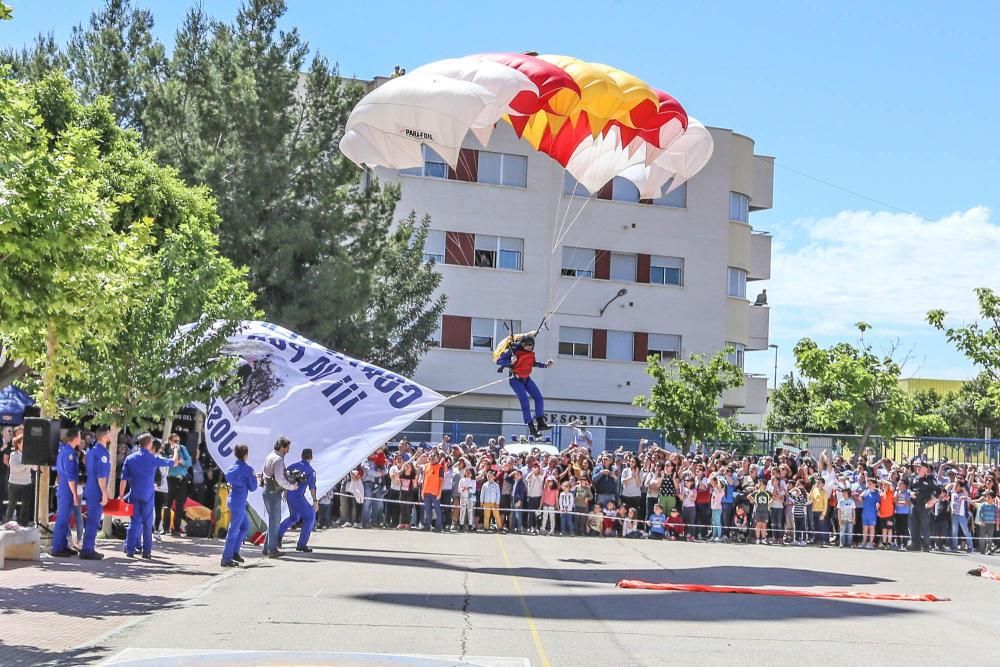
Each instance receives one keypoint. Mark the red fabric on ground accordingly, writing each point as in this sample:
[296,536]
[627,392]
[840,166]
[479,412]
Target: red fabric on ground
[786,592]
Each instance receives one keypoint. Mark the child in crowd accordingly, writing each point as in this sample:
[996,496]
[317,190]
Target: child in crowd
[550,505]
[941,521]
[901,518]
[518,499]
[741,524]
[325,518]
[886,512]
[960,517]
[610,518]
[845,514]
[567,501]
[870,498]
[987,514]
[800,505]
[761,500]
[490,497]
[467,501]
[630,525]
[675,525]
[583,497]
[595,521]
[689,507]
[718,490]
[657,522]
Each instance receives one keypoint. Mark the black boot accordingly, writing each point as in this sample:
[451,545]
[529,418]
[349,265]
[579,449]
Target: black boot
[532,429]
[541,424]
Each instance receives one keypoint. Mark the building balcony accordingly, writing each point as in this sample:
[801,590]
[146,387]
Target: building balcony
[751,397]
[760,256]
[758,327]
[763,183]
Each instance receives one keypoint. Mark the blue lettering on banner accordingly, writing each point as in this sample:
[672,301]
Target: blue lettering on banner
[299,351]
[220,430]
[406,395]
[344,394]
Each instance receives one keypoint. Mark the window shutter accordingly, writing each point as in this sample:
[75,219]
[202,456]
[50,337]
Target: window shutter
[641,269]
[468,163]
[456,332]
[640,350]
[600,344]
[602,265]
[606,192]
[459,248]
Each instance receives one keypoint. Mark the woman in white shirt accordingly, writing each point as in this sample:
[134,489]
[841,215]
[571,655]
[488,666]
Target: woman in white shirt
[19,487]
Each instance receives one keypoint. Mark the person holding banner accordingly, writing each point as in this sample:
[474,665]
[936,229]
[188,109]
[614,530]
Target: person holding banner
[242,481]
[274,481]
[300,508]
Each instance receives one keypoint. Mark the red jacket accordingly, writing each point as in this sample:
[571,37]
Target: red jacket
[524,362]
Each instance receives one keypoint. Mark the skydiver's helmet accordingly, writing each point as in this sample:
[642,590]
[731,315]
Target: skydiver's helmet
[527,342]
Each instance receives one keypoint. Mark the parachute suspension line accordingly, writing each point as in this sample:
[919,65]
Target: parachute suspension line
[576,280]
[474,389]
[571,223]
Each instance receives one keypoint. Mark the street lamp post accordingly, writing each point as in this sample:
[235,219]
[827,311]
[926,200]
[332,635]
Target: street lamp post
[775,364]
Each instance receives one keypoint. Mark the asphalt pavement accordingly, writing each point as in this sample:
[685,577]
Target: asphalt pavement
[513,600]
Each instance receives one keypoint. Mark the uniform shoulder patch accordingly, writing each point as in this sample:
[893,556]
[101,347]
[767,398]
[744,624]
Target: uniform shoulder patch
[104,459]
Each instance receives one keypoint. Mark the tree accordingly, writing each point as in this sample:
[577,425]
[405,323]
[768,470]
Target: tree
[854,385]
[116,56]
[979,341]
[970,410]
[685,395]
[790,406]
[31,64]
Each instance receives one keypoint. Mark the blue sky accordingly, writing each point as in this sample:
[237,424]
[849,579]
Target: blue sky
[893,100]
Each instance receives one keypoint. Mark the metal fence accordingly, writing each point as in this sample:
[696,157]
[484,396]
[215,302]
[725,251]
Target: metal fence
[611,437]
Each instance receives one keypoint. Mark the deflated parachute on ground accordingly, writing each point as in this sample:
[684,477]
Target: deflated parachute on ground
[597,121]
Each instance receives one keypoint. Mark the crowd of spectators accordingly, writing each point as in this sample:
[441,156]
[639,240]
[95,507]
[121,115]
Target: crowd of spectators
[788,498]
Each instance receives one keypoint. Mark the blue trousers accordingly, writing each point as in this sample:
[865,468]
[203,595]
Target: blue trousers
[432,511]
[523,388]
[239,526]
[140,529]
[272,503]
[64,510]
[300,508]
[94,514]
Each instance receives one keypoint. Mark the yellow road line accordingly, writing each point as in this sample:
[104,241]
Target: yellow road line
[543,659]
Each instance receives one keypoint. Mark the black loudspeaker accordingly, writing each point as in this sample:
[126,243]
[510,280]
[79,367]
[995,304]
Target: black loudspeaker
[32,411]
[41,441]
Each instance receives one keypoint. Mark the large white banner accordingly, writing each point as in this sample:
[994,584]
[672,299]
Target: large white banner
[342,408]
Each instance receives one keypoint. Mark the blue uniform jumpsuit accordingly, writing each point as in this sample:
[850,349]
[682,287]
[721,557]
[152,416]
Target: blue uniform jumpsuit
[98,467]
[242,481]
[139,469]
[299,507]
[68,470]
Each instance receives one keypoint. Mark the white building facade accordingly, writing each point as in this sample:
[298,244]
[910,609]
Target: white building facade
[513,242]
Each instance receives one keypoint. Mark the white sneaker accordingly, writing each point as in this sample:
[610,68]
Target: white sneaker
[346,524]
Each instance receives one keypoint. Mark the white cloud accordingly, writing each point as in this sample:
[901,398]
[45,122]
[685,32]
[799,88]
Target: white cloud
[887,269]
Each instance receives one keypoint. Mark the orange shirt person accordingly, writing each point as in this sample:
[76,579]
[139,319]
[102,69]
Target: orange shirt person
[433,478]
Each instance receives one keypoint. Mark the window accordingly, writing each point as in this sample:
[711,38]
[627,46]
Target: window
[578,262]
[572,188]
[665,346]
[434,165]
[575,342]
[620,345]
[623,267]
[623,189]
[737,283]
[434,246]
[736,356]
[498,252]
[486,333]
[434,339]
[666,270]
[676,198]
[503,169]
[739,207]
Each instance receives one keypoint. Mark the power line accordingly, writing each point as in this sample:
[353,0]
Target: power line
[879,201]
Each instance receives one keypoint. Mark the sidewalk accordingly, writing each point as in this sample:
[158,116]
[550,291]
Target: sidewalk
[47,608]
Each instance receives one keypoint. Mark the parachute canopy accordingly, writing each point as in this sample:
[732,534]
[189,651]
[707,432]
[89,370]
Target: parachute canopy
[597,121]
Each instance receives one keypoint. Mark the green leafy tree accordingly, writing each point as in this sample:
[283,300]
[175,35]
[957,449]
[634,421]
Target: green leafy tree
[684,398]
[979,341]
[34,62]
[790,406]
[971,410]
[855,386]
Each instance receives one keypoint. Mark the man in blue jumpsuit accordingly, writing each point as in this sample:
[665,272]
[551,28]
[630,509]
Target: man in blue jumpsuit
[300,508]
[242,481]
[96,492]
[139,469]
[68,470]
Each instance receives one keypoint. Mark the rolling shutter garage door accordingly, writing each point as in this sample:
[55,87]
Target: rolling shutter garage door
[463,421]
[625,432]
[419,431]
